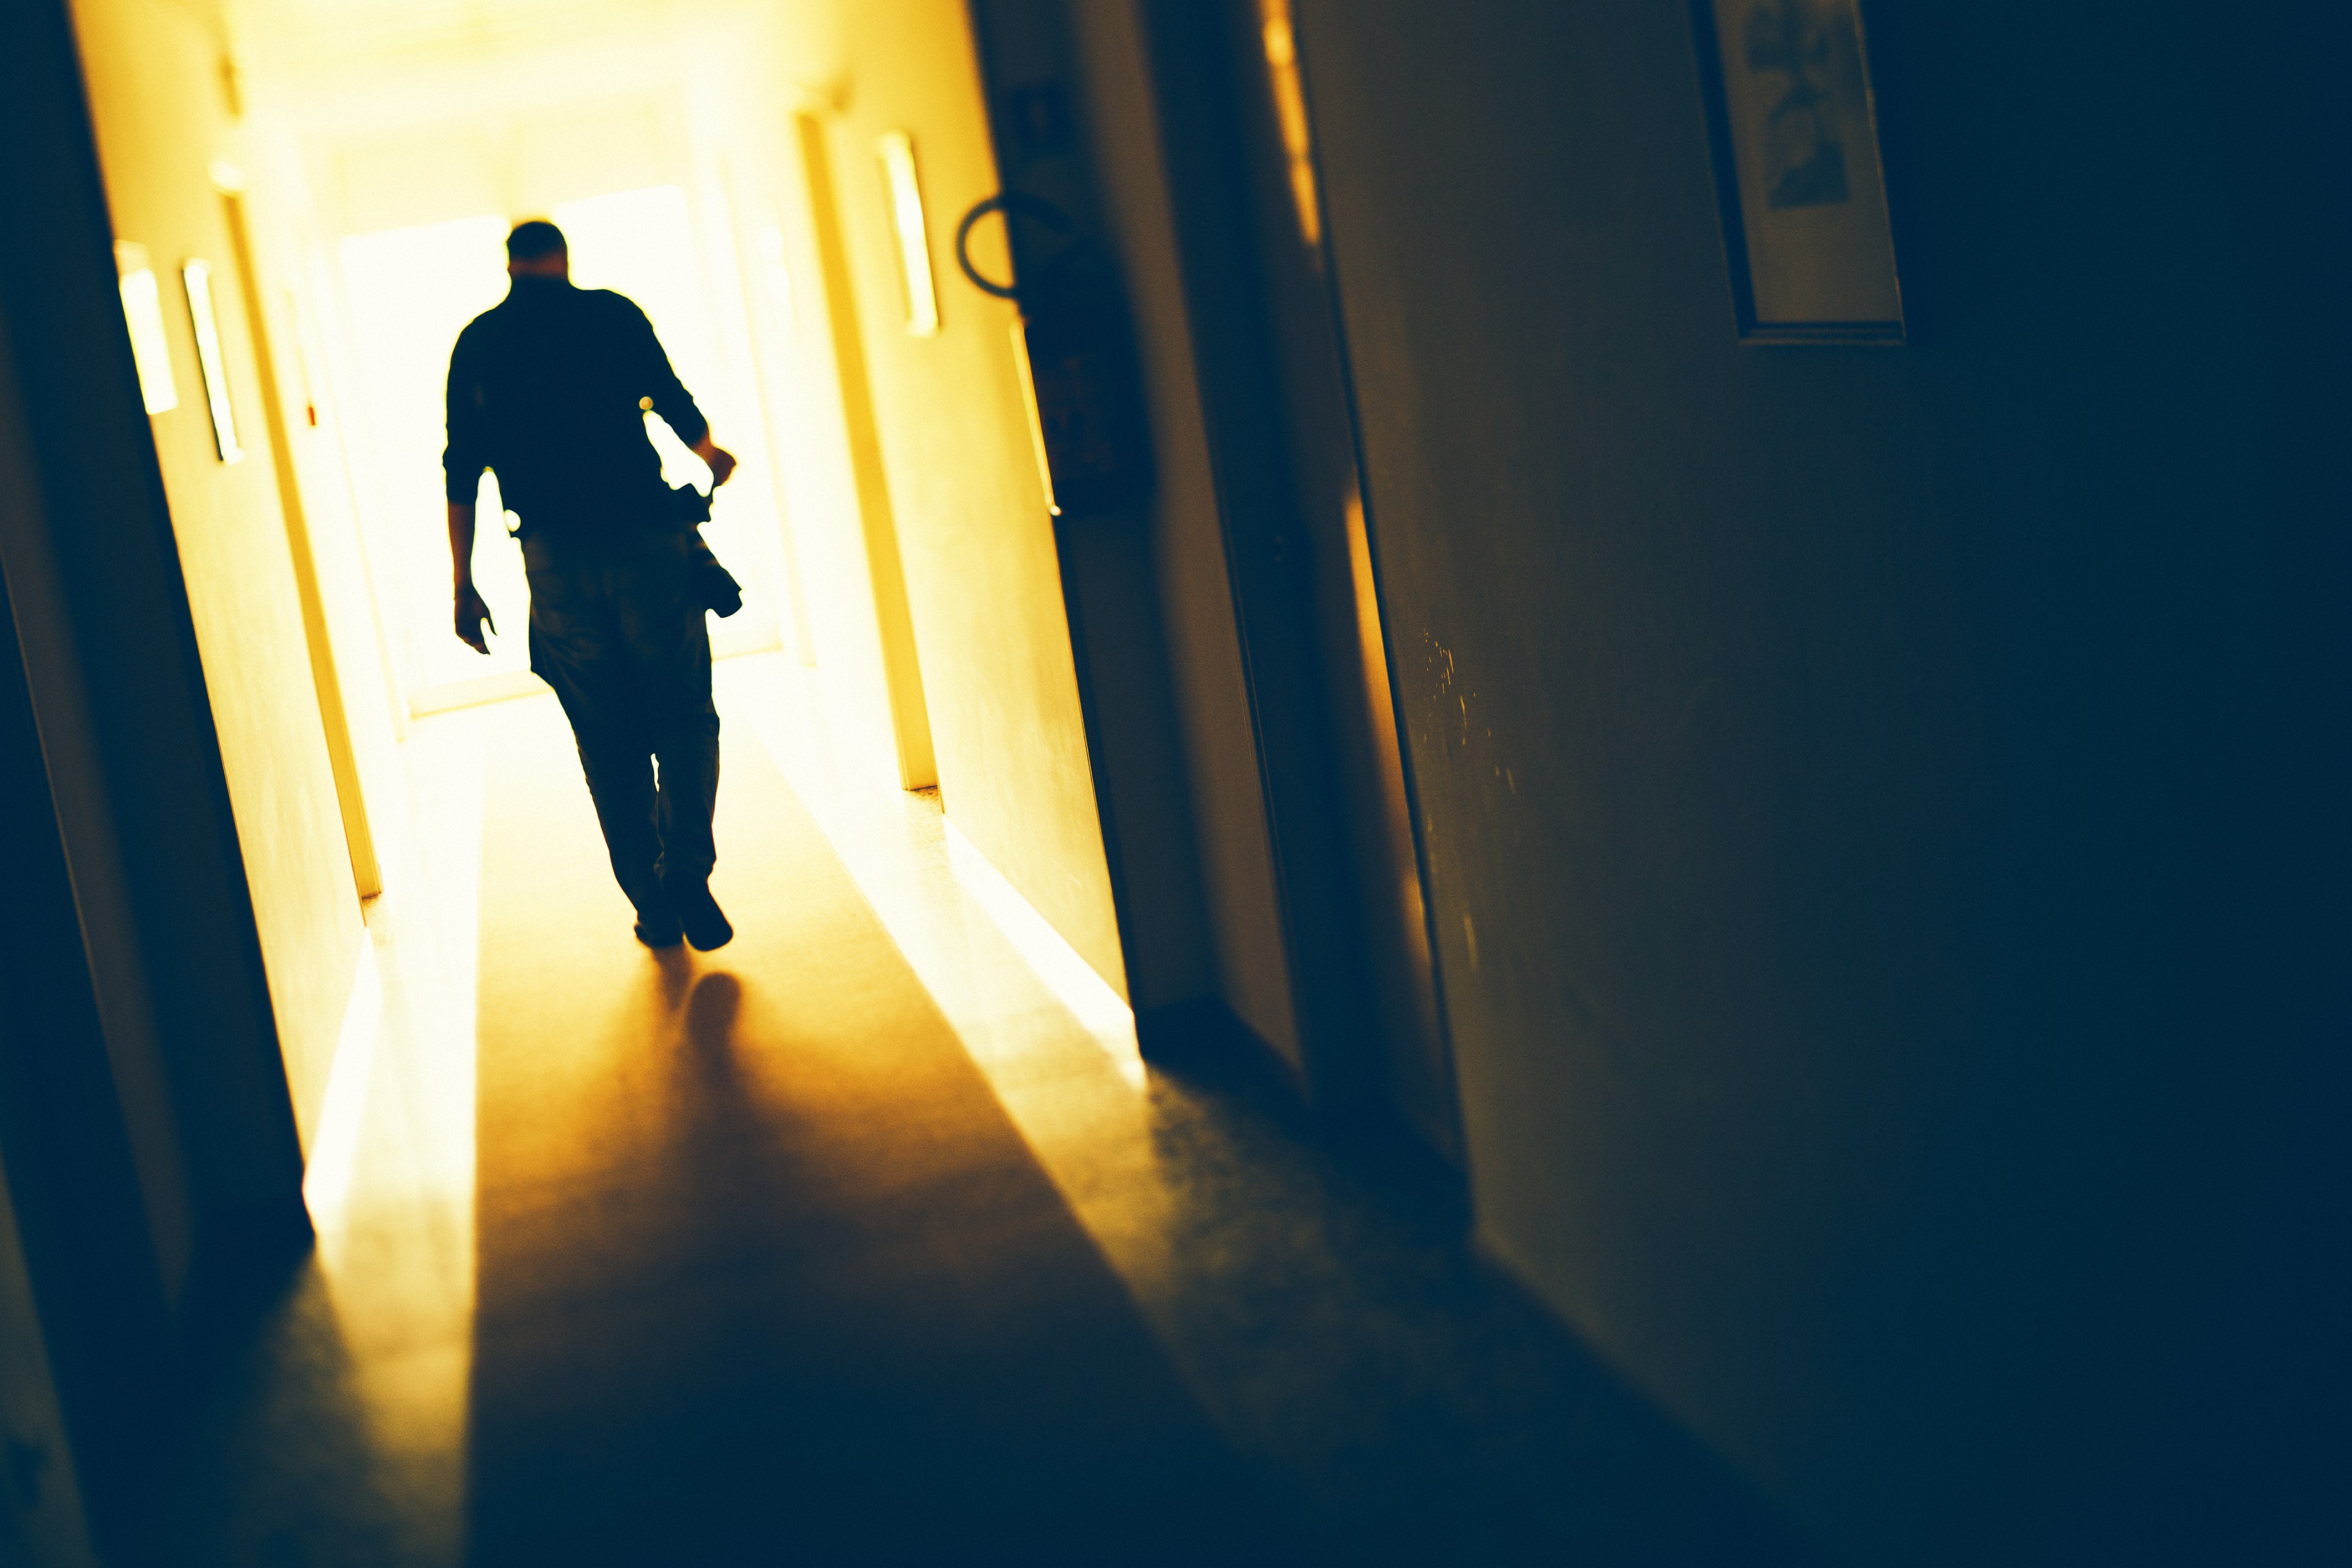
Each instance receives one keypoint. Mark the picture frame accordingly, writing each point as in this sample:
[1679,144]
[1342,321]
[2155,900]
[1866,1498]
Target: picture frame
[1792,129]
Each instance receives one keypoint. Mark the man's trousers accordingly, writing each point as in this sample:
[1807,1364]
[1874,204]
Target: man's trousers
[618,631]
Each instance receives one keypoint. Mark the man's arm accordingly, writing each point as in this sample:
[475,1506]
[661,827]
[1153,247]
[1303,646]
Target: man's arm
[462,464]
[670,398]
[471,612]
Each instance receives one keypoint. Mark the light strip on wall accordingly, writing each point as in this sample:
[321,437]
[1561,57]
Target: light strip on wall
[1036,416]
[897,154]
[143,311]
[1281,39]
[197,276]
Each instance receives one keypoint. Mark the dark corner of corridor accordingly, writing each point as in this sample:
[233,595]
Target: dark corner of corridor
[1193,781]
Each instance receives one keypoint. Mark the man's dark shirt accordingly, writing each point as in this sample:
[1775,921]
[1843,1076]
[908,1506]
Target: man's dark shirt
[545,388]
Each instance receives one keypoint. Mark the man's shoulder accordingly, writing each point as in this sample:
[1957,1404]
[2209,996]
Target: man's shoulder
[481,328]
[612,303]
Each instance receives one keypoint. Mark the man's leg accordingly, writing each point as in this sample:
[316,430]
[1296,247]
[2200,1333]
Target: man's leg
[621,783]
[577,648]
[688,797]
[670,640]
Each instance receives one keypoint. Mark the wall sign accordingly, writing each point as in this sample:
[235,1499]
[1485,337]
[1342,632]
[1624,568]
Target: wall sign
[905,193]
[1794,128]
[196,277]
[142,313]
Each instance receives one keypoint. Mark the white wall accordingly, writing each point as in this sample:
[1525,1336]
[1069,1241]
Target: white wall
[157,102]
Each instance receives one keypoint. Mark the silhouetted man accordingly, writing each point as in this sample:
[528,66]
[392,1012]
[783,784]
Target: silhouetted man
[547,388]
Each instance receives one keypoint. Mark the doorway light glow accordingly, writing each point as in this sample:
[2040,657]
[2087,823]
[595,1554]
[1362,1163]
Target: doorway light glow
[897,154]
[197,276]
[143,311]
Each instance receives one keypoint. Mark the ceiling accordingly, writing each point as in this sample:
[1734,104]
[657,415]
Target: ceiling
[272,35]
[358,66]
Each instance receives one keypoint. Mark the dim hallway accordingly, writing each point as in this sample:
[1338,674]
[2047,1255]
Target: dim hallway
[1430,870]
[866,1238]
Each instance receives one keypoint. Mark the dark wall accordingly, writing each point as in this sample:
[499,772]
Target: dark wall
[1207,110]
[148,1141]
[1231,561]
[1881,805]
[135,794]
[1109,585]
[1216,704]
[1365,896]
[87,1250]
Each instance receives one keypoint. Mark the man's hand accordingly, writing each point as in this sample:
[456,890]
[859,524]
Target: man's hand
[472,616]
[721,461]
[472,613]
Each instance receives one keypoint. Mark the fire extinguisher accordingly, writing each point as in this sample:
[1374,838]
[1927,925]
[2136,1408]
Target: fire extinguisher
[1077,351]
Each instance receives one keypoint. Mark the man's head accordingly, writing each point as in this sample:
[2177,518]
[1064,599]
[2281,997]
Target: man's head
[536,249]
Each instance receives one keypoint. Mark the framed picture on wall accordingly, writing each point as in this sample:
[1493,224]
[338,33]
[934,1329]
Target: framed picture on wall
[1794,128]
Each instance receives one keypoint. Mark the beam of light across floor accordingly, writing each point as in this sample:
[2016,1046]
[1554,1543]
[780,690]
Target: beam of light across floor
[1098,1008]
[326,1176]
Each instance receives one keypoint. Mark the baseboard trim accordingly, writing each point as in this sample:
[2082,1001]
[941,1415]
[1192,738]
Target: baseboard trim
[1204,1034]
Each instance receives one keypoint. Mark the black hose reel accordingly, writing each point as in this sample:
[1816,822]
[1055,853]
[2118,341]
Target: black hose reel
[1018,204]
[1086,392]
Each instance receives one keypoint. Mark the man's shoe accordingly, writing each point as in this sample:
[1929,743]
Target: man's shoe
[661,930]
[705,922]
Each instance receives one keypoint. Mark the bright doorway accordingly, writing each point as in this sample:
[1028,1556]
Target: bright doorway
[405,293]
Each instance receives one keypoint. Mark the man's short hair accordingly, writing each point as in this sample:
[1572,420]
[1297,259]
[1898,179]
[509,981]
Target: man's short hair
[533,238]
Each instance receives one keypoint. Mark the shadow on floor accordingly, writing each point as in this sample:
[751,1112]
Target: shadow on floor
[1404,1395]
[764,1261]
[764,1271]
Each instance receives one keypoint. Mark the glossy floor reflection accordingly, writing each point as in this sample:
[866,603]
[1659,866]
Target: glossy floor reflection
[868,1237]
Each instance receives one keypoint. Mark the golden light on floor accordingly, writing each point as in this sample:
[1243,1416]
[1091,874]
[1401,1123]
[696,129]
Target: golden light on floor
[397,1171]
[334,1143]
[760,1233]
[1098,1008]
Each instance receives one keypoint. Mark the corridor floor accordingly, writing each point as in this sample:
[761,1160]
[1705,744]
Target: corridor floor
[868,1237]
